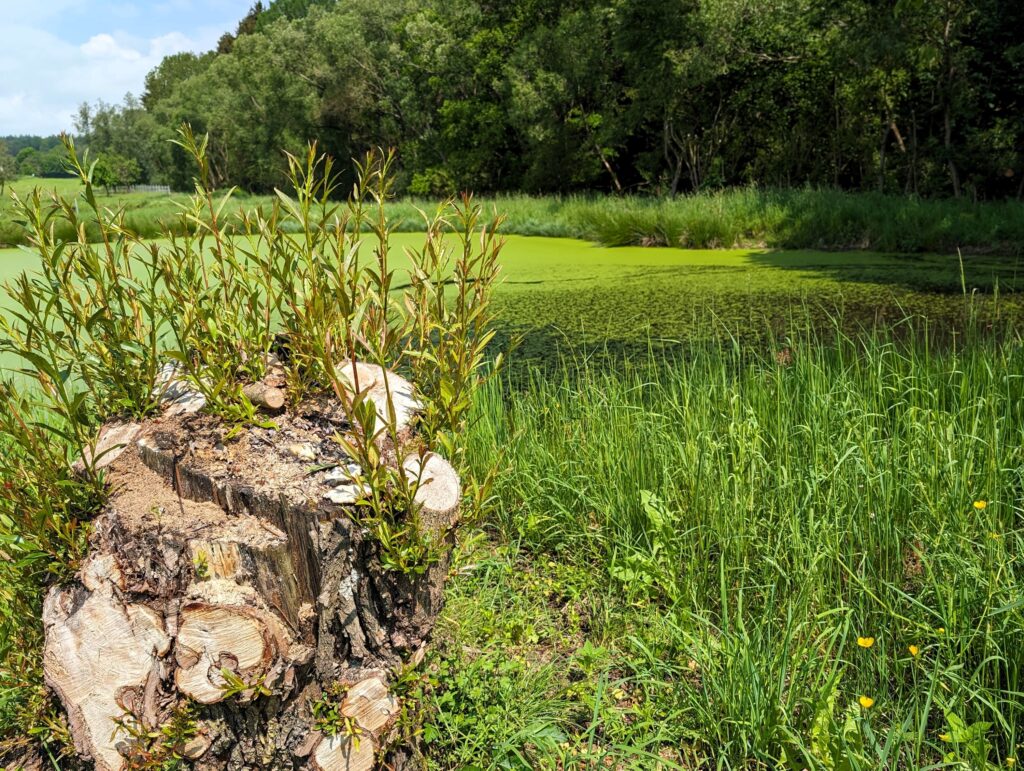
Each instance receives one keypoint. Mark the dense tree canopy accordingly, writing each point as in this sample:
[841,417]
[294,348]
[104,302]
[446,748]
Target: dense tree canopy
[8,166]
[665,96]
[33,156]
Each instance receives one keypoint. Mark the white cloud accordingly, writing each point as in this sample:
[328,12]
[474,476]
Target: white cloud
[43,78]
[104,46]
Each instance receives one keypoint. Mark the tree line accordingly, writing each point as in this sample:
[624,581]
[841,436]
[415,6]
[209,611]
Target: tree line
[657,96]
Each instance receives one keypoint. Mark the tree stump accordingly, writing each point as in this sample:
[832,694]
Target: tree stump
[233,574]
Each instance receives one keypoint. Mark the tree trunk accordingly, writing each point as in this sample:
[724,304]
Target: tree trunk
[912,174]
[673,156]
[267,397]
[881,158]
[954,175]
[949,69]
[235,577]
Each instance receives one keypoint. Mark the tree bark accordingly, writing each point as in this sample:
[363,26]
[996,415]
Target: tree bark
[954,175]
[223,573]
[267,397]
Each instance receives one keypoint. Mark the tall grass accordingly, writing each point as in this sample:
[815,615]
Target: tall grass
[788,219]
[743,217]
[804,219]
[768,515]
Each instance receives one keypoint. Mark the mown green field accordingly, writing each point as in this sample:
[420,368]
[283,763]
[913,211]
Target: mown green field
[144,206]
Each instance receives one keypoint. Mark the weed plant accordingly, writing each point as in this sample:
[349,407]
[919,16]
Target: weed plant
[800,219]
[810,558]
[808,218]
[96,331]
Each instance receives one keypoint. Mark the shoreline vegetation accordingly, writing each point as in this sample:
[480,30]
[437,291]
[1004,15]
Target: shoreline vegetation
[807,559]
[830,220]
[791,538]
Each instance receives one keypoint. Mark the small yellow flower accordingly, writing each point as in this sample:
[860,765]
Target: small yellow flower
[940,630]
[1011,762]
[865,642]
[980,505]
[866,702]
[944,737]
[914,650]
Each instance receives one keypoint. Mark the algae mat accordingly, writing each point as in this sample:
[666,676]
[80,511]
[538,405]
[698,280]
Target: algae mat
[569,290]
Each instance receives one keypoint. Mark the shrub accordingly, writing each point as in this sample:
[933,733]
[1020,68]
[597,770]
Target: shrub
[95,330]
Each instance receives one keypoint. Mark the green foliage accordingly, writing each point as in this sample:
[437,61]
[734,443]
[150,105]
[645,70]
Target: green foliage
[43,513]
[8,167]
[742,217]
[160,748]
[93,331]
[88,326]
[802,501]
[38,156]
[797,219]
[328,718]
[652,96]
[113,170]
[234,687]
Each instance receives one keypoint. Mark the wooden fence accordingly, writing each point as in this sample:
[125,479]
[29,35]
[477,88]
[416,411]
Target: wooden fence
[140,189]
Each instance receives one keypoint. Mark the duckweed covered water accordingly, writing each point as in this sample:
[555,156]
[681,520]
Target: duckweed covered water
[559,292]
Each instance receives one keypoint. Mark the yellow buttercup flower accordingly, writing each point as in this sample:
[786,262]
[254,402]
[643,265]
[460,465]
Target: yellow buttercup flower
[914,650]
[865,642]
[941,630]
[1011,762]
[866,702]
[980,505]
[944,737]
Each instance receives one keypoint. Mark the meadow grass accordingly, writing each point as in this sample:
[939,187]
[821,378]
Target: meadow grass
[150,215]
[733,218]
[686,544]
[801,219]
[765,218]
[709,561]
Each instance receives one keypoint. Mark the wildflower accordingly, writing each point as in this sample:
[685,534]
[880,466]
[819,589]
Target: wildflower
[914,650]
[980,505]
[866,702]
[994,536]
[944,737]
[940,630]
[1011,762]
[865,642]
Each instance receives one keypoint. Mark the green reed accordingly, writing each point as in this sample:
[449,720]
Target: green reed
[746,517]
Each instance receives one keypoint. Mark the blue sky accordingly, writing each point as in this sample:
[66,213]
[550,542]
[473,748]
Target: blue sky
[56,54]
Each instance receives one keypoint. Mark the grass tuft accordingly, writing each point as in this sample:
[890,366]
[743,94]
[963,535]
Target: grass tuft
[712,535]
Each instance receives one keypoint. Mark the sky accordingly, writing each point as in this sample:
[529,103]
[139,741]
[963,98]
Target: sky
[56,54]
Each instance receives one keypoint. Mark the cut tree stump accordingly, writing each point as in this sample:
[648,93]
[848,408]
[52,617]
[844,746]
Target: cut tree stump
[378,384]
[234,574]
[268,397]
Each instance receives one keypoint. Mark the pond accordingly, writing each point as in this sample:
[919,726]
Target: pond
[561,293]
